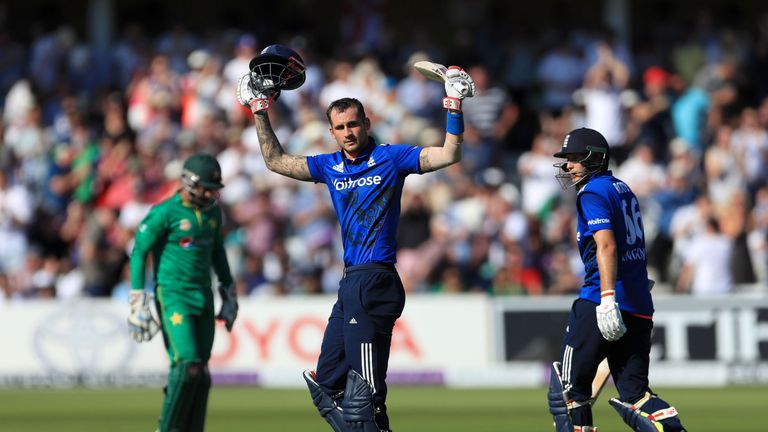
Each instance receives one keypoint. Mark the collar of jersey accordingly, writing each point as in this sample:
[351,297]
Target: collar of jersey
[594,176]
[362,157]
[604,173]
[180,199]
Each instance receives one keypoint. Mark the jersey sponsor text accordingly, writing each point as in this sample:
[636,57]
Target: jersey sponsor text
[598,221]
[353,183]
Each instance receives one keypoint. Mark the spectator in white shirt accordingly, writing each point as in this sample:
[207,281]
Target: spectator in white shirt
[706,263]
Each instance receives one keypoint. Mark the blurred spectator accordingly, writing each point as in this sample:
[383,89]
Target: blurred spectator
[706,268]
[157,90]
[749,142]
[757,239]
[70,282]
[488,115]
[563,276]
[200,87]
[601,93]
[129,55]
[246,48]
[418,95]
[175,45]
[735,224]
[514,277]
[100,257]
[650,121]
[678,192]
[701,104]
[559,72]
[341,85]
[535,168]
[641,174]
[48,58]
[722,168]
[16,210]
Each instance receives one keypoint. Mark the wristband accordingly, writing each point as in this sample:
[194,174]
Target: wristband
[454,123]
[608,296]
[259,104]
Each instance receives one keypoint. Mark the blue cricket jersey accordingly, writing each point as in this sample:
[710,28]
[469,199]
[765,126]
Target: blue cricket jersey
[606,202]
[366,196]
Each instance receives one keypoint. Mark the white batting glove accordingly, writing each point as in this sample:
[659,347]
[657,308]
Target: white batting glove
[249,97]
[458,85]
[229,306]
[609,317]
[142,325]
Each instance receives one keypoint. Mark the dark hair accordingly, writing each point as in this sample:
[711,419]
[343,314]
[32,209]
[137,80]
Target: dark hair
[713,223]
[342,105]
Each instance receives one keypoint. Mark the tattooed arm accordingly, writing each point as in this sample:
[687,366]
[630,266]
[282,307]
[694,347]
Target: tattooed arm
[275,157]
[434,158]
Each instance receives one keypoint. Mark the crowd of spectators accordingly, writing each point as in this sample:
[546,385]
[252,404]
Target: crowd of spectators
[86,151]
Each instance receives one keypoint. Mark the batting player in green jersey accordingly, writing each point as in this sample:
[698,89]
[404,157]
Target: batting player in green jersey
[183,235]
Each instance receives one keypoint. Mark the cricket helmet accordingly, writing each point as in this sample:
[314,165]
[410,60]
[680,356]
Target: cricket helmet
[587,142]
[201,170]
[277,68]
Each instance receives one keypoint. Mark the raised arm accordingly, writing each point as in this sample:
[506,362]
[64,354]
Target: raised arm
[458,85]
[275,157]
[434,158]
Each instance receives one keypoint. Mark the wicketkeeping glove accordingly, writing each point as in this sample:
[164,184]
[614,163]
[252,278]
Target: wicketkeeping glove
[252,98]
[229,307]
[609,317]
[142,325]
[458,85]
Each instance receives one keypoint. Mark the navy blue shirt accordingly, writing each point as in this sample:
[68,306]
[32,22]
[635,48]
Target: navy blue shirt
[606,202]
[366,196]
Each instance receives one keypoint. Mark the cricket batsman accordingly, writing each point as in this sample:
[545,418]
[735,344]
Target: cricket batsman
[183,236]
[613,316]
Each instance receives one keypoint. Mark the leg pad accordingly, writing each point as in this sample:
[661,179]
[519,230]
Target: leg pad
[325,404]
[358,407]
[558,401]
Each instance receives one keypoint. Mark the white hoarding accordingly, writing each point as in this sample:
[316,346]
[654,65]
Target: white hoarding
[272,342]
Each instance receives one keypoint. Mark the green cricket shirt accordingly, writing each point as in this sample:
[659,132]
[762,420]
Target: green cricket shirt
[185,242]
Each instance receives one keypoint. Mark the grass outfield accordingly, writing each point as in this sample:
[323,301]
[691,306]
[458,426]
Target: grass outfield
[411,410]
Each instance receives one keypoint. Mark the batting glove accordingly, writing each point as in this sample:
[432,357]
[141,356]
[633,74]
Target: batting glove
[609,317]
[229,307]
[458,85]
[250,97]
[142,325]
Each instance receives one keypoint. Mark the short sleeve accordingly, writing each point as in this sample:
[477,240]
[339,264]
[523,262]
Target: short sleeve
[596,211]
[152,229]
[405,157]
[317,166]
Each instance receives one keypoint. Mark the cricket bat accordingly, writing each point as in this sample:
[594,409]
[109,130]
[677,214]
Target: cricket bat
[432,71]
[601,377]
